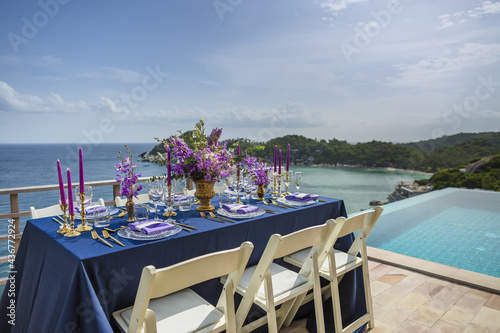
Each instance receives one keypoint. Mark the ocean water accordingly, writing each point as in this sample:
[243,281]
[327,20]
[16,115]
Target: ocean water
[35,164]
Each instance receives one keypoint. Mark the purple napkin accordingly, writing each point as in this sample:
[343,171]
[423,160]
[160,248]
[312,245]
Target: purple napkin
[150,227]
[230,188]
[240,209]
[180,198]
[297,196]
[89,210]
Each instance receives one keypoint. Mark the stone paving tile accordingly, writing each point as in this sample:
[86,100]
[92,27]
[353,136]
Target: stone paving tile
[471,302]
[391,278]
[378,287]
[488,317]
[428,289]
[478,328]
[380,327]
[413,301]
[493,302]
[426,316]
[416,278]
[442,326]
[447,297]
[385,300]
[379,271]
[458,316]
[401,289]
[395,315]
[410,326]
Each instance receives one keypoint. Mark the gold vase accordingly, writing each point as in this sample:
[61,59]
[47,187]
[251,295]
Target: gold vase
[204,192]
[129,206]
[260,192]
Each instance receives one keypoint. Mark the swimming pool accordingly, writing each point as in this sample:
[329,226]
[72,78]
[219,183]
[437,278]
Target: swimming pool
[455,227]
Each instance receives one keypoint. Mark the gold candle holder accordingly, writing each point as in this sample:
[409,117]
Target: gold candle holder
[83,227]
[170,200]
[274,193]
[238,201]
[278,190]
[72,232]
[64,229]
[287,183]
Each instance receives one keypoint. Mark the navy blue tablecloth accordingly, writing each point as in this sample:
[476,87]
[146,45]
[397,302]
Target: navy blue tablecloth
[74,284]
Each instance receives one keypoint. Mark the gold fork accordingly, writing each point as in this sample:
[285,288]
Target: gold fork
[220,217]
[202,214]
[114,230]
[96,236]
[107,235]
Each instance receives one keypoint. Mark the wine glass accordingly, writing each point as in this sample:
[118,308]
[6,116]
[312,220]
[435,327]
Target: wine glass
[155,192]
[298,179]
[248,188]
[288,179]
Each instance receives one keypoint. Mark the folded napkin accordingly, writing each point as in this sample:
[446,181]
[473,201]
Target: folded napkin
[179,198]
[150,227]
[240,209]
[88,209]
[297,196]
[230,188]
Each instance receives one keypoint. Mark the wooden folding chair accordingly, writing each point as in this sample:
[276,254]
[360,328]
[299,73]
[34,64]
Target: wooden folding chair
[141,198]
[53,210]
[345,262]
[165,303]
[268,284]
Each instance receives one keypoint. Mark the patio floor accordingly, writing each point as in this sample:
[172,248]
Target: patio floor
[409,301]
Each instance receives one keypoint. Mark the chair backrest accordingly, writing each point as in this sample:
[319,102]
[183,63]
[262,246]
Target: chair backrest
[320,238]
[156,283]
[364,223]
[53,210]
[141,198]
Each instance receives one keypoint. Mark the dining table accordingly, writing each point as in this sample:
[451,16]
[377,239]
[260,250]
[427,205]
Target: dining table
[74,284]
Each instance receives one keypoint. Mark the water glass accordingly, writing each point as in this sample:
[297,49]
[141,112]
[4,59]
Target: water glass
[141,213]
[101,216]
[298,180]
[224,199]
[185,204]
[88,195]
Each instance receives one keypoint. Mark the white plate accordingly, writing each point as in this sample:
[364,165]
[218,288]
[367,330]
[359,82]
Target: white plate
[137,235]
[223,212]
[296,203]
[113,211]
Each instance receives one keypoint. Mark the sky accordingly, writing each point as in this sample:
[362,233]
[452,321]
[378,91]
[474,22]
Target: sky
[355,70]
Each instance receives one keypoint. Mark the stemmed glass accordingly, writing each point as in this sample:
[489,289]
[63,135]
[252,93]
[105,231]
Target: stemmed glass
[155,192]
[248,188]
[169,199]
[87,190]
[298,179]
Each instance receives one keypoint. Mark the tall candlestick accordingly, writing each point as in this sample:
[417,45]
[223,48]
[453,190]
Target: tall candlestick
[279,164]
[238,150]
[169,169]
[70,194]
[82,185]
[275,155]
[61,184]
[288,158]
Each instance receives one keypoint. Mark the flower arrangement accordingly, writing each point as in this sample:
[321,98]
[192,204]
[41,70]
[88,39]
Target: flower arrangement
[126,175]
[257,170]
[207,160]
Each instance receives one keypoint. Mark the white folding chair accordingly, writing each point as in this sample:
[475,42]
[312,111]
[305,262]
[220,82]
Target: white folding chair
[268,284]
[141,198]
[345,262]
[53,210]
[165,303]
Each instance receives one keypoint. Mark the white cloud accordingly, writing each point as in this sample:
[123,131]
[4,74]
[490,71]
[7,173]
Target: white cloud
[113,73]
[487,7]
[336,6]
[13,101]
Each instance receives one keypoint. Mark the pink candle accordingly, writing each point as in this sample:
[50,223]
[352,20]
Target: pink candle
[82,185]
[238,150]
[275,155]
[169,170]
[61,184]
[70,194]
[279,164]
[288,158]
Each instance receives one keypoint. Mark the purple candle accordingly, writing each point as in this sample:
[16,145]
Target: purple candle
[169,169]
[168,155]
[70,194]
[288,158]
[275,155]
[238,150]
[279,164]
[61,184]
[82,185]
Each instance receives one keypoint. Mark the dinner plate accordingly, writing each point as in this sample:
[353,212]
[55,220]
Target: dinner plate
[137,235]
[223,212]
[296,203]
[113,211]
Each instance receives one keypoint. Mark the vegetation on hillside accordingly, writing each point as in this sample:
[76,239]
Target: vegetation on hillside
[428,156]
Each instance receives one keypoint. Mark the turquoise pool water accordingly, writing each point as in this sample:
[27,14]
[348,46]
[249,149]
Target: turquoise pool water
[455,227]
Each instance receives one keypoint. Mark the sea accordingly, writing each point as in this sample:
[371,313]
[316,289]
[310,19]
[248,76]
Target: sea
[24,165]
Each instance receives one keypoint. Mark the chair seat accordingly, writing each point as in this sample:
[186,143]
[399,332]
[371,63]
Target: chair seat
[284,281]
[184,310]
[342,260]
